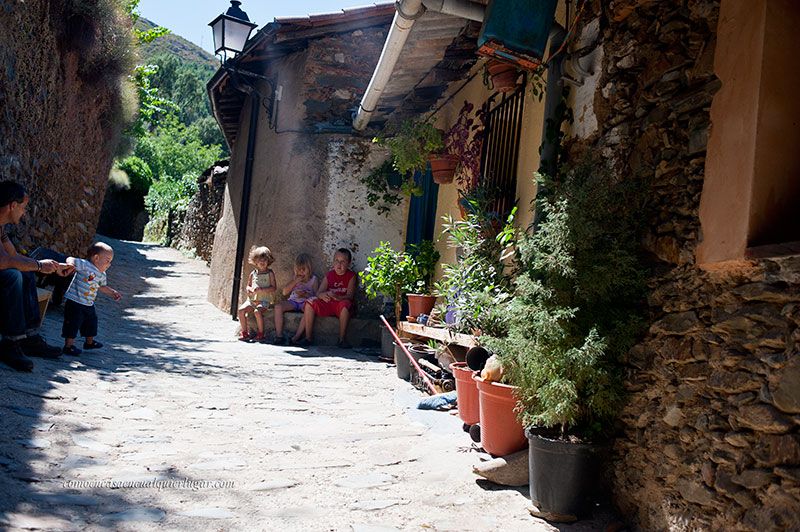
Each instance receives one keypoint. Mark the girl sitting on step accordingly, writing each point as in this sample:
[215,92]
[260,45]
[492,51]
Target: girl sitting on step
[303,286]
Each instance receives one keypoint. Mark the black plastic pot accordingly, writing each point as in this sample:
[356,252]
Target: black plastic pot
[564,476]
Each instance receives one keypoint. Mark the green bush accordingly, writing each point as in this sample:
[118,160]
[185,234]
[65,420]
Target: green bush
[577,305]
[176,156]
[411,145]
[139,174]
[477,285]
[389,273]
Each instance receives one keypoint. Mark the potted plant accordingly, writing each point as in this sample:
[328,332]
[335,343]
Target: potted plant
[477,285]
[500,76]
[575,312]
[389,273]
[424,257]
[461,151]
[411,146]
[386,188]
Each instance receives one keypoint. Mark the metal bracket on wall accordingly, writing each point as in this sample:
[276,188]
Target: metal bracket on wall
[241,83]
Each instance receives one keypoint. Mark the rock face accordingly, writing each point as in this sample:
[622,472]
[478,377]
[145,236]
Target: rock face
[123,215]
[197,228]
[710,432]
[60,75]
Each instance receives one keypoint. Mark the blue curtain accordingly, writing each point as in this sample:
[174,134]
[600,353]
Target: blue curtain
[422,214]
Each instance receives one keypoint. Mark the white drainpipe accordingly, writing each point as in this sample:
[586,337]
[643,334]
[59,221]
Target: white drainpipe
[408,11]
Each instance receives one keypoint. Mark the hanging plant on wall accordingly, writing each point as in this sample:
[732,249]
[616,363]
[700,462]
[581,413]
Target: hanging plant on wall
[409,149]
[411,145]
[460,157]
[386,188]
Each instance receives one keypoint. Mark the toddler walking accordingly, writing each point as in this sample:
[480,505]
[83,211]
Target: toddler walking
[260,290]
[303,286]
[79,311]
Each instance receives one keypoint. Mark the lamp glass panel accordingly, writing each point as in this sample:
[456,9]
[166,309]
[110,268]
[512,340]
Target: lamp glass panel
[219,33]
[236,34]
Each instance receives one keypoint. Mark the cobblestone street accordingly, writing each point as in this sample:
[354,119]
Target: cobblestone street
[237,436]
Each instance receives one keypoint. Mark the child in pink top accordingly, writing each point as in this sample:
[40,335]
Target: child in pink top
[303,286]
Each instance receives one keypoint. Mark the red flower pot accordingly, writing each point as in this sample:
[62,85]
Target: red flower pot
[501,432]
[467,393]
[443,167]
[504,76]
[420,304]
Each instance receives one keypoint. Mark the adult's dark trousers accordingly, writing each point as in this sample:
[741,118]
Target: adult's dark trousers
[19,305]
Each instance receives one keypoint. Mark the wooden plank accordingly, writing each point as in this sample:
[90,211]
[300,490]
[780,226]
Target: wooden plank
[437,333]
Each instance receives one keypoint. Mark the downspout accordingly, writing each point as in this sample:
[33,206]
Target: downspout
[244,208]
[408,11]
[553,113]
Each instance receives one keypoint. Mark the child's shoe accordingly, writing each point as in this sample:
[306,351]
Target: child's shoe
[93,345]
[244,336]
[279,340]
[71,350]
[258,338]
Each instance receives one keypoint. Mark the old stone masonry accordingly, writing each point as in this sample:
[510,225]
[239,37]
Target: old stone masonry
[176,425]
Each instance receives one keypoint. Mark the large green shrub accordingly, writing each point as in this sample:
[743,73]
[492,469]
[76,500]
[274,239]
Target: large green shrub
[577,303]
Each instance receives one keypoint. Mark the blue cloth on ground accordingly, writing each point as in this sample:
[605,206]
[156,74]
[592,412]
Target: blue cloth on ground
[435,402]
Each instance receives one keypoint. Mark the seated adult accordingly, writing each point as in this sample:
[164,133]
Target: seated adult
[19,306]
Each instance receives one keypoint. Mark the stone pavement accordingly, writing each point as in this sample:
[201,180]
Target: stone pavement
[176,425]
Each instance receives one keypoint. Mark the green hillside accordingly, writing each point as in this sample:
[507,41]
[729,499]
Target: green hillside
[175,45]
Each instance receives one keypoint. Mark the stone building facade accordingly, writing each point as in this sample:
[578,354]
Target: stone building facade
[709,437]
[306,194]
[60,115]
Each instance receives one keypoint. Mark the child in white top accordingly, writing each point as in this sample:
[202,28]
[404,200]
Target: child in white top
[260,291]
[79,312]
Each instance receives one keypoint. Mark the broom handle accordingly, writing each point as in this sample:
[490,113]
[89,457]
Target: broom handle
[411,359]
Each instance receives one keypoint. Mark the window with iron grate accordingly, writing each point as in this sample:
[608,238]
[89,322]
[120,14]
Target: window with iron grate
[503,125]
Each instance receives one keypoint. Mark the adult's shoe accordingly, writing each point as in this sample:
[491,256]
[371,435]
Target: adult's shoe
[35,346]
[12,356]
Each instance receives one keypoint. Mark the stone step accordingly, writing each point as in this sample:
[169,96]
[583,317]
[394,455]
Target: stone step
[361,332]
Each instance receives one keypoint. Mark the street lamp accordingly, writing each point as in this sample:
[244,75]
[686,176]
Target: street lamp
[231,30]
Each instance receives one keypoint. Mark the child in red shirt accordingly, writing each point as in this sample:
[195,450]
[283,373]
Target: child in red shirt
[334,298]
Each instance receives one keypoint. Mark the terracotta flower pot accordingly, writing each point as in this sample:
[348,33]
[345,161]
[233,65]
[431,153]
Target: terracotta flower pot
[501,432]
[467,393]
[504,76]
[420,304]
[443,167]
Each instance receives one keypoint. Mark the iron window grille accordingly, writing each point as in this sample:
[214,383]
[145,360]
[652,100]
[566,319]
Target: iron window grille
[500,154]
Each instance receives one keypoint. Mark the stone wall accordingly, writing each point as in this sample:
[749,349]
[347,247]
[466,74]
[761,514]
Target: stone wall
[60,115]
[196,232]
[709,438]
